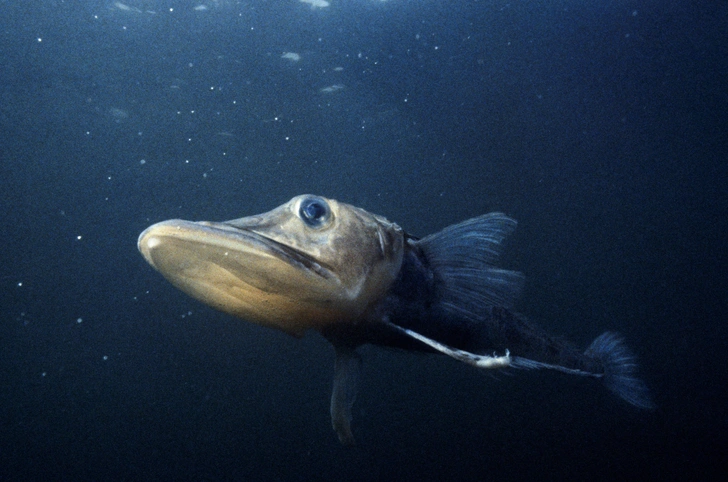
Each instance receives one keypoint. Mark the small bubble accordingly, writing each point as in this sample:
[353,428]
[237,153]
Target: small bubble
[79,320]
[106,357]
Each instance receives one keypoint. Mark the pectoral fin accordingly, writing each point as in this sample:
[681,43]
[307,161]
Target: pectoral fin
[346,380]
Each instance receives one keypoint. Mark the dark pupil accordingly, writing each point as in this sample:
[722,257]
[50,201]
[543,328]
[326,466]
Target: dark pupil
[313,211]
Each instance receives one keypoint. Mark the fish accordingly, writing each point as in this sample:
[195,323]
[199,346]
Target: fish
[317,264]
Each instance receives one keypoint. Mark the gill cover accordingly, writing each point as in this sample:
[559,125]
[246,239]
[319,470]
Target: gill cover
[307,264]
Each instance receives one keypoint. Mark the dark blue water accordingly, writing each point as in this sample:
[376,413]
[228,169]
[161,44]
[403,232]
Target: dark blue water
[600,126]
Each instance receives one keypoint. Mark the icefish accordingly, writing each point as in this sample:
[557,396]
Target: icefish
[356,278]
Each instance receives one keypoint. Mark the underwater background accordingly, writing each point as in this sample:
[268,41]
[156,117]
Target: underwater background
[601,126]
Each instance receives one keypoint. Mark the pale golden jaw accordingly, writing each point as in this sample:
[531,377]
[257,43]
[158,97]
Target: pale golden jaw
[272,270]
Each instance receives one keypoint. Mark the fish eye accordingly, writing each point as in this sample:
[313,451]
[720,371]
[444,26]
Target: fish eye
[314,211]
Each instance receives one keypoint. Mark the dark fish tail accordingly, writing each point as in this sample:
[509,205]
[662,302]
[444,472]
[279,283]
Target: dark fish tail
[608,359]
[620,370]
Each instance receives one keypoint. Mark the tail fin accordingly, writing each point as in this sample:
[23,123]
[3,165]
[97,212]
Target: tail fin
[620,369]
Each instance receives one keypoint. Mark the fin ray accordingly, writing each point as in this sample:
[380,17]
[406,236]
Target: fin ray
[620,369]
[463,256]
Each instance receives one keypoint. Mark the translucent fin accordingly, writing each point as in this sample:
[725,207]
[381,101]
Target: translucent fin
[346,381]
[463,256]
[478,361]
[620,369]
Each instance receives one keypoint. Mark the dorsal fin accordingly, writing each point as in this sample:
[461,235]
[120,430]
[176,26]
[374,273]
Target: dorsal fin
[463,258]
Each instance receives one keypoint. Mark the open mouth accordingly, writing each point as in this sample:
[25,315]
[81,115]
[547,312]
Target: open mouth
[228,238]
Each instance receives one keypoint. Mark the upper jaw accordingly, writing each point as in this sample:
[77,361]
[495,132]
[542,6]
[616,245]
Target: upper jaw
[228,237]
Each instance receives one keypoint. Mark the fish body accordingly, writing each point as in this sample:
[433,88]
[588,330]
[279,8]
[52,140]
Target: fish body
[356,278]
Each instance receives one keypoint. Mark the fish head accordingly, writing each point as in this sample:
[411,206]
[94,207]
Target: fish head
[307,264]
